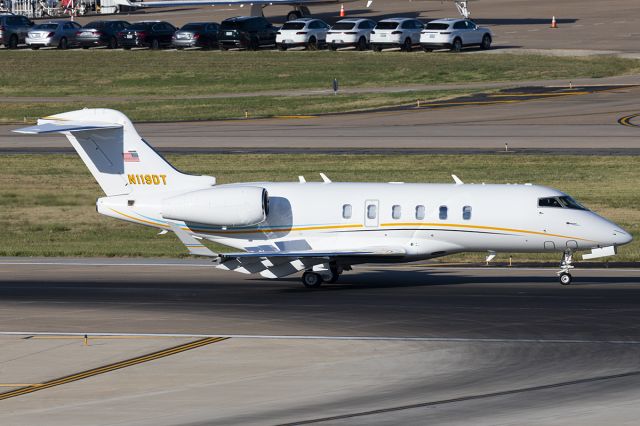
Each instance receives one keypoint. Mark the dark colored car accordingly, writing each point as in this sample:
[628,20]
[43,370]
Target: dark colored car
[197,34]
[152,34]
[101,33]
[14,29]
[249,32]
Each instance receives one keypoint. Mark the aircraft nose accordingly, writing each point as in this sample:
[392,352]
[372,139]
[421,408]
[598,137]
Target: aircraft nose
[621,237]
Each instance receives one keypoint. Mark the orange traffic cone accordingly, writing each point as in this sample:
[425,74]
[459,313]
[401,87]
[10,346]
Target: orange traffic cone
[342,10]
[554,24]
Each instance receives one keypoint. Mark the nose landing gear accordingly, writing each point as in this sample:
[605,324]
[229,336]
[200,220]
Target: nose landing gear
[566,264]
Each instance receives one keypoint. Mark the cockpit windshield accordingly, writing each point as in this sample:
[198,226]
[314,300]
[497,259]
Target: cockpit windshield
[564,202]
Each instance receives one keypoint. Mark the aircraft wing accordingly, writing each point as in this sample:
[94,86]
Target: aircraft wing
[273,263]
[277,264]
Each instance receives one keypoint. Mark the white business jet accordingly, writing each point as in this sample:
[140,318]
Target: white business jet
[300,7]
[324,228]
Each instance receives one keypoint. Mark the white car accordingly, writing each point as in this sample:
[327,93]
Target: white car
[350,32]
[308,32]
[454,34]
[396,32]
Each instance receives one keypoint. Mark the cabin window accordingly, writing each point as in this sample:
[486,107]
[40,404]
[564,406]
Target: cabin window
[396,212]
[347,210]
[466,212]
[443,212]
[420,212]
[372,211]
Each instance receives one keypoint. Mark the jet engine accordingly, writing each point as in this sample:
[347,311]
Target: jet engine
[222,206]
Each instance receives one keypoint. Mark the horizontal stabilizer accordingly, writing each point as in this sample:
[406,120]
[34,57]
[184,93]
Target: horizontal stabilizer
[72,126]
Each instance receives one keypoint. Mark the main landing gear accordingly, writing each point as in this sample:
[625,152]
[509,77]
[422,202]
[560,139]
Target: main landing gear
[314,279]
[565,267]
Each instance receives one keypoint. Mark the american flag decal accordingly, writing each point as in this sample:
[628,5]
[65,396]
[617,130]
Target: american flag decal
[131,157]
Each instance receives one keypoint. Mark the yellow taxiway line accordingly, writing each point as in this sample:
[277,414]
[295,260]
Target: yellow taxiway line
[111,367]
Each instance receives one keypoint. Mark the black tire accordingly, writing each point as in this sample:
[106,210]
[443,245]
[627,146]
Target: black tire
[113,43]
[35,47]
[293,15]
[63,44]
[565,278]
[333,47]
[486,42]
[407,46]
[85,47]
[362,44]
[312,44]
[427,49]
[155,44]
[456,46]
[281,47]
[13,42]
[253,44]
[311,280]
[211,45]
[180,48]
[377,48]
[127,48]
[223,47]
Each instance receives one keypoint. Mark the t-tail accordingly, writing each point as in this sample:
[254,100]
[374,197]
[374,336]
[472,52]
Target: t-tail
[119,159]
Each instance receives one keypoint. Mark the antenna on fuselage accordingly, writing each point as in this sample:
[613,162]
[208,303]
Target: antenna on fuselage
[325,179]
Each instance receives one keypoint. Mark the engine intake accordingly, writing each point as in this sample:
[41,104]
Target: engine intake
[222,206]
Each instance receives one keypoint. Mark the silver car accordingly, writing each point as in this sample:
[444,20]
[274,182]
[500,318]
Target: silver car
[60,34]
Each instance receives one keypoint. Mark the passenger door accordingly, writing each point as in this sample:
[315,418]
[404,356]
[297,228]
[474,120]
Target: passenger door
[474,35]
[371,213]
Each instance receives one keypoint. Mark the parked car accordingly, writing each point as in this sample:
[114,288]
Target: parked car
[14,29]
[396,32]
[60,34]
[200,34]
[101,33]
[308,32]
[350,32]
[151,34]
[454,34]
[249,32]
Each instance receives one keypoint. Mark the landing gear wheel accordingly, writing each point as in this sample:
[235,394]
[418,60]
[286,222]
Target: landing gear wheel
[311,280]
[293,15]
[565,278]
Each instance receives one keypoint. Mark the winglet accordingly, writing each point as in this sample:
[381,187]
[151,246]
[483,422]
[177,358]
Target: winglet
[195,248]
[457,180]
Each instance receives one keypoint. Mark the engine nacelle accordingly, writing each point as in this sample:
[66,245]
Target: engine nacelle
[223,206]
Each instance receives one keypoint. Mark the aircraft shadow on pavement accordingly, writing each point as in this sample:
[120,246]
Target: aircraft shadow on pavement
[382,279]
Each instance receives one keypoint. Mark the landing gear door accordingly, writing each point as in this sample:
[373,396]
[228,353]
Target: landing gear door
[371,213]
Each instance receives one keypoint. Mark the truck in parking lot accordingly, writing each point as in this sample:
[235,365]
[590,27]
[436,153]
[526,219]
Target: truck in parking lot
[14,29]
[246,32]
